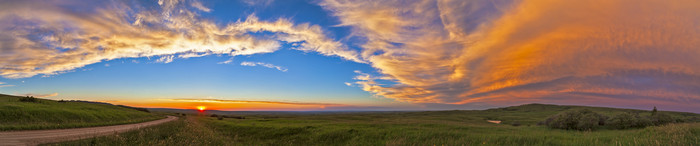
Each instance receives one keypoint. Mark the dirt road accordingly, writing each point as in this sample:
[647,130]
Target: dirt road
[35,137]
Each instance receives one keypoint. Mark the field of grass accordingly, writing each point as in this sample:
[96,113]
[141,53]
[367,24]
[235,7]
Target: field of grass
[50,114]
[185,131]
[403,128]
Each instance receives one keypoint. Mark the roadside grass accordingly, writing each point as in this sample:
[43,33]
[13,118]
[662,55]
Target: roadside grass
[401,128]
[185,131]
[50,114]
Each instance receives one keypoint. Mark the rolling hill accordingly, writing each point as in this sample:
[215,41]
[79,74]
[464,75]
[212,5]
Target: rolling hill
[35,113]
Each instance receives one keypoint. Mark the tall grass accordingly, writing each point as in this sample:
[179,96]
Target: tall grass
[399,128]
[425,132]
[49,114]
[185,131]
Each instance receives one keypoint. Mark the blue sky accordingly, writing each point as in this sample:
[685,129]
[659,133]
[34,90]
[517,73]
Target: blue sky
[310,77]
[353,55]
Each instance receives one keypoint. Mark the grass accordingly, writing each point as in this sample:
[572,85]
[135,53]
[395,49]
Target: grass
[185,131]
[402,128]
[50,114]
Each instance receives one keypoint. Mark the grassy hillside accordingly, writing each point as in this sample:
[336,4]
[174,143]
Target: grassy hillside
[50,114]
[533,113]
[405,128]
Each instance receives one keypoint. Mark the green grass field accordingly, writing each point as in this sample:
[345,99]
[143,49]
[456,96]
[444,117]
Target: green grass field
[50,114]
[402,128]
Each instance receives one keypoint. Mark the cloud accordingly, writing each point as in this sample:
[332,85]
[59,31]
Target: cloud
[227,61]
[258,2]
[48,38]
[199,6]
[246,63]
[40,95]
[508,52]
[165,59]
[255,101]
[2,84]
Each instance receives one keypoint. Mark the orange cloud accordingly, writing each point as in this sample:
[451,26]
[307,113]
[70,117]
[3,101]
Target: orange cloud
[225,104]
[527,51]
[254,101]
[40,95]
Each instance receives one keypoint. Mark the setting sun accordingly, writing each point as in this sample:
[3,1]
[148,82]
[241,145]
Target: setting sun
[201,108]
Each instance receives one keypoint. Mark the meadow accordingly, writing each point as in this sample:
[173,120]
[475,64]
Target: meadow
[51,114]
[402,128]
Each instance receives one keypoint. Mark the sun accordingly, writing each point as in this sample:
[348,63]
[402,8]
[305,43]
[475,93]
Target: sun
[201,108]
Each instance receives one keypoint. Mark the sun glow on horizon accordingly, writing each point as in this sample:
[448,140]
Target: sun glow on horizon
[201,108]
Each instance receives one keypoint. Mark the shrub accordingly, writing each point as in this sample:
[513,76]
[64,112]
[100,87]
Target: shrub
[516,123]
[629,120]
[541,123]
[220,118]
[214,115]
[661,119]
[28,99]
[583,119]
[234,117]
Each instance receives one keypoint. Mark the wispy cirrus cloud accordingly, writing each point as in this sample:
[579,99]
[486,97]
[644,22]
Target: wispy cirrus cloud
[505,52]
[198,5]
[53,37]
[40,95]
[263,64]
[255,101]
[229,61]
[2,84]
[258,2]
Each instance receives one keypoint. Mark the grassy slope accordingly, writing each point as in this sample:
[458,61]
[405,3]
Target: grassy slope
[49,114]
[415,128]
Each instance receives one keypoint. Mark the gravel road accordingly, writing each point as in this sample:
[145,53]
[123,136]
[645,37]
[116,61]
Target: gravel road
[35,137]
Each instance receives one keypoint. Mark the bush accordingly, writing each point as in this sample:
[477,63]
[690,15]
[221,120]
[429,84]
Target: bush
[583,119]
[629,120]
[661,119]
[213,115]
[220,118]
[234,117]
[28,99]
[516,123]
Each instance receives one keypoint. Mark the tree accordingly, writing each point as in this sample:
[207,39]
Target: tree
[653,112]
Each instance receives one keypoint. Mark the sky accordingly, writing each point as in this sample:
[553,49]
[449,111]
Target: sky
[309,55]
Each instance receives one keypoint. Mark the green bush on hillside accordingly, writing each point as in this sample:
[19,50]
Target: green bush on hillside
[662,119]
[28,99]
[583,119]
[629,120]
